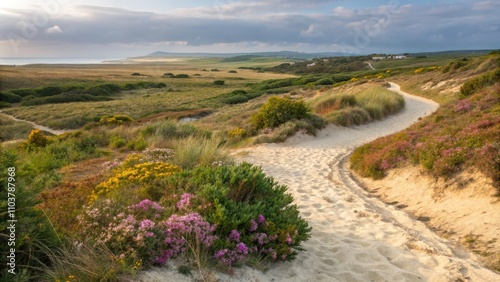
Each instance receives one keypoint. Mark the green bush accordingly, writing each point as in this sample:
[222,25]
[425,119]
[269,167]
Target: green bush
[479,82]
[103,89]
[182,75]
[219,82]
[235,99]
[10,97]
[277,111]
[48,91]
[23,92]
[241,200]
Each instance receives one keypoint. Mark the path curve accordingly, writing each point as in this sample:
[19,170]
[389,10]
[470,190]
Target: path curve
[355,236]
[38,126]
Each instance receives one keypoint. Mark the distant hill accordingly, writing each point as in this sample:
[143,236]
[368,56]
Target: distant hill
[279,54]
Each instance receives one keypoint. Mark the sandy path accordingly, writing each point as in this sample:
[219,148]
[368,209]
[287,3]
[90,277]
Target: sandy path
[355,237]
[37,126]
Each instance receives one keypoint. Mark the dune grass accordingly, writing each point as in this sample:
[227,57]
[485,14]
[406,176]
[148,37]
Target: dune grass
[373,102]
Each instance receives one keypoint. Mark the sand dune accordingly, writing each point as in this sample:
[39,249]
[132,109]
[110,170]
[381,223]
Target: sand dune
[355,237]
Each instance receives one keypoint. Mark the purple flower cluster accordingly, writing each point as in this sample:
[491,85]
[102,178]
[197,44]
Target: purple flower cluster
[185,201]
[234,236]
[462,106]
[183,230]
[229,257]
[148,204]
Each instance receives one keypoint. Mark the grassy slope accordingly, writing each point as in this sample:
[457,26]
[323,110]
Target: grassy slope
[462,134]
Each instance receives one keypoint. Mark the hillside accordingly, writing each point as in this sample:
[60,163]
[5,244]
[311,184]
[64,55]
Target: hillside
[455,151]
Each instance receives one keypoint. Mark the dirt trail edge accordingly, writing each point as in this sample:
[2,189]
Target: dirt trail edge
[356,237]
[37,126]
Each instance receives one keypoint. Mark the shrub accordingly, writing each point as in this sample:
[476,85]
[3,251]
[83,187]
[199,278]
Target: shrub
[136,74]
[252,212]
[237,133]
[10,97]
[23,92]
[132,172]
[168,74]
[115,119]
[37,139]
[219,82]
[103,89]
[232,71]
[277,111]
[235,99]
[181,76]
[479,82]
[48,91]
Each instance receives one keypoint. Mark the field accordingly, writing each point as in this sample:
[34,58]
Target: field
[133,159]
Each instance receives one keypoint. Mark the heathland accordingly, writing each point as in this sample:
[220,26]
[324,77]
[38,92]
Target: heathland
[144,176]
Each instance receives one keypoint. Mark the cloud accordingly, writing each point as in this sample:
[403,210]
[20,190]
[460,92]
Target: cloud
[54,29]
[271,24]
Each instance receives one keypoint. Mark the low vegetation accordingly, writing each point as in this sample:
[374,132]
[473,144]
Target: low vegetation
[460,135]
[372,103]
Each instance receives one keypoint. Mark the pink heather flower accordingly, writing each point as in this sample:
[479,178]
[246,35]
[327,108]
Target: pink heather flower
[288,239]
[261,219]
[221,253]
[146,224]
[261,238]
[184,202]
[234,235]
[149,234]
[242,248]
[253,225]
[148,204]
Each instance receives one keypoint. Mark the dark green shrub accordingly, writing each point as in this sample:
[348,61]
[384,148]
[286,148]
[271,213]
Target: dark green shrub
[23,92]
[277,111]
[232,71]
[168,74]
[136,74]
[235,99]
[48,91]
[182,75]
[324,81]
[479,82]
[4,105]
[103,89]
[219,82]
[10,97]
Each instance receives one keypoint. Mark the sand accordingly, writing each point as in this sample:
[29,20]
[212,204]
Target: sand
[355,237]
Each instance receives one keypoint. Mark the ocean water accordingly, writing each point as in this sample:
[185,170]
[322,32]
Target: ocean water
[29,61]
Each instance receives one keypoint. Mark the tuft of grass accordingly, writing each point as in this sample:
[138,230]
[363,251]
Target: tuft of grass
[83,262]
[372,103]
[198,151]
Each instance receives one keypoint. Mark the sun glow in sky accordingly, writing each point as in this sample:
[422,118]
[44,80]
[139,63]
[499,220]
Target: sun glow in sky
[131,28]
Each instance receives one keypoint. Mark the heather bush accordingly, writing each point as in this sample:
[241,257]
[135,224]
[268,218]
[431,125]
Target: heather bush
[235,198]
[459,135]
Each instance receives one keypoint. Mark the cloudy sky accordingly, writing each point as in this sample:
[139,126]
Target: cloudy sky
[115,29]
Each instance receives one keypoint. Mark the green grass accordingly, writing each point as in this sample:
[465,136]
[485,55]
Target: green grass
[371,103]
[13,130]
